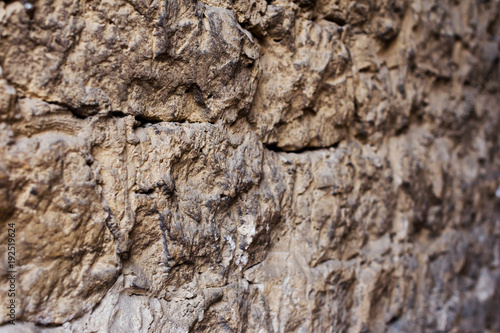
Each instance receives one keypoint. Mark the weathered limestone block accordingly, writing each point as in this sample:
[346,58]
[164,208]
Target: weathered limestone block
[65,255]
[193,61]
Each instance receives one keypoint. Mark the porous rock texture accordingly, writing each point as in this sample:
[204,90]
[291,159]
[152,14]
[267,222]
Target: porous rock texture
[251,165]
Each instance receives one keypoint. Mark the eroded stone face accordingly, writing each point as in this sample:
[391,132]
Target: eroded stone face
[251,166]
[66,257]
[195,62]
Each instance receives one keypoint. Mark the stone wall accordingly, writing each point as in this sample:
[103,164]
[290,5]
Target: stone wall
[251,165]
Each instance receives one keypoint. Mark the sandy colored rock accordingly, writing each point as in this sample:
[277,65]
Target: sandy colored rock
[251,166]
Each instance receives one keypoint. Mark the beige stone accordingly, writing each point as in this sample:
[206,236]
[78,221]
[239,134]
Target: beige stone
[251,166]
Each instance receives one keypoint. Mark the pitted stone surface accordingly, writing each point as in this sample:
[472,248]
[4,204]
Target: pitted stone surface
[251,166]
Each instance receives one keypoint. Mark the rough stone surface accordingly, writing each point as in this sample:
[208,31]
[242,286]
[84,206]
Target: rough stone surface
[251,165]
